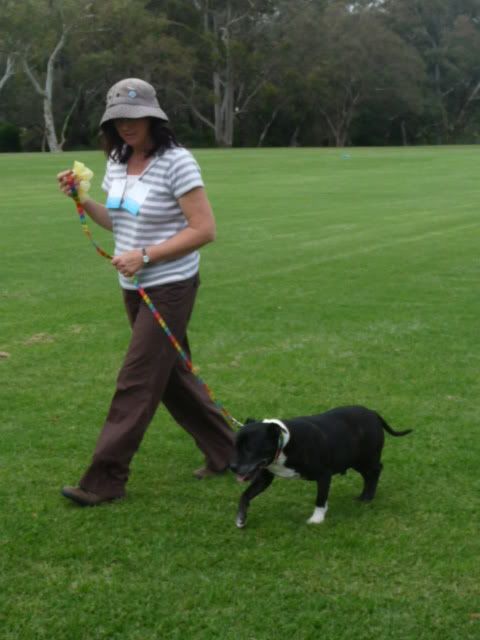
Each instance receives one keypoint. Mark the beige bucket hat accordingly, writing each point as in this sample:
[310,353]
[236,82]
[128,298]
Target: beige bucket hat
[132,98]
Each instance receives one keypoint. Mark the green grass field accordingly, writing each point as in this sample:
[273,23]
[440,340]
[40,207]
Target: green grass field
[335,279]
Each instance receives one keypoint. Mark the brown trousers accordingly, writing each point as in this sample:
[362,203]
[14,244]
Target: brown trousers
[154,372]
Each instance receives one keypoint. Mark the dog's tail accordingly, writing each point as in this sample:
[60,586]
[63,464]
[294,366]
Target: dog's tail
[391,431]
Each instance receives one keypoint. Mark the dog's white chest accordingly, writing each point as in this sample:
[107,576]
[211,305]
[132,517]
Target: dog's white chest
[279,469]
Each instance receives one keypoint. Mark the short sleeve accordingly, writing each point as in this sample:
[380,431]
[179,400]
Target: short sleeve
[184,173]
[107,180]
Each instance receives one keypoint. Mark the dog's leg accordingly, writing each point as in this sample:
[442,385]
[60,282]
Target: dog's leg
[321,504]
[370,481]
[261,482]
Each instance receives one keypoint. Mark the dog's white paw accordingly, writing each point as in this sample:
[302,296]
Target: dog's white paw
[240,523]
[318,516]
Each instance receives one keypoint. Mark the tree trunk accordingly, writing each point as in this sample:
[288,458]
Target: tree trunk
[223,88]
[266,128]
[404,133]
[228,114]
[9,70]
[217,111]
[218,26]
[50,132]
[47,93]
[294,137]
[340,138]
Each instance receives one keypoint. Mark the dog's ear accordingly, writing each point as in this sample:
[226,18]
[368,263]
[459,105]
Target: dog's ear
[272,431]
[249,420]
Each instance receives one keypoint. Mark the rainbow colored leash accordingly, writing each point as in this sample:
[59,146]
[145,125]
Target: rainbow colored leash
[156,314]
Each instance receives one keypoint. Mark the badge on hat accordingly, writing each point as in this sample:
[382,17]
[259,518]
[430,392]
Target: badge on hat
[132,93]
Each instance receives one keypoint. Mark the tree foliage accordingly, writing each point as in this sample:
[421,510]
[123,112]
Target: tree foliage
[246,72]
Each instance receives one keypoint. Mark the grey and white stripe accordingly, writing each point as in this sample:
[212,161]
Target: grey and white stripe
[169,176]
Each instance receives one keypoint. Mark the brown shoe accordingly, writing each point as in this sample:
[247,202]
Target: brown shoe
[206,472]
[84,498]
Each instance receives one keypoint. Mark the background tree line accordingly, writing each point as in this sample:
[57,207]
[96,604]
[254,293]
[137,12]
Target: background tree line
[245,72]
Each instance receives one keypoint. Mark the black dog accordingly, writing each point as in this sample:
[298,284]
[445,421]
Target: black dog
[314,448]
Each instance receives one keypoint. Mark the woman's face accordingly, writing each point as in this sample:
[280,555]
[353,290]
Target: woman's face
[134,131]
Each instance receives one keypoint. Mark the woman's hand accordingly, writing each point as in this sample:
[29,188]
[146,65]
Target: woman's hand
[97,212]
[64,182]
[128,263]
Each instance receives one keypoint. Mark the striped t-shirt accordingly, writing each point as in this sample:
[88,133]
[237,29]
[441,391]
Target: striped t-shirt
[168,177]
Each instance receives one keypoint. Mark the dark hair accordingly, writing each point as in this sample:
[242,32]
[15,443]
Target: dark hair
[115,148]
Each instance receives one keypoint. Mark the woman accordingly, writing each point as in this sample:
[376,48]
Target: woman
[160,216]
